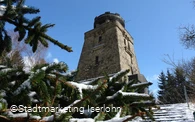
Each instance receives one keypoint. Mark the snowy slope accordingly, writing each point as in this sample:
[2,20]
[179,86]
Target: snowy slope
[166,113]
[174,113]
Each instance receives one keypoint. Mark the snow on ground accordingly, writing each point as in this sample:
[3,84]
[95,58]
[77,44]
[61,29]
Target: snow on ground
[169,112]
[175,113]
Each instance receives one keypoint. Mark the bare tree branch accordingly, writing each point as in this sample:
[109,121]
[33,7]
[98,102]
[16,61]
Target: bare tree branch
[187,36]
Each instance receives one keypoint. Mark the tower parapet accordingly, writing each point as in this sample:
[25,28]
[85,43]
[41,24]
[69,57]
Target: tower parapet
[107,17]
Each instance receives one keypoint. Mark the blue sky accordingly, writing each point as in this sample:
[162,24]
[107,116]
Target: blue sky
[154,25]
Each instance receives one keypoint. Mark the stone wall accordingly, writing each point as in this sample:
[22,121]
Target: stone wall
[108,49]
[126,50]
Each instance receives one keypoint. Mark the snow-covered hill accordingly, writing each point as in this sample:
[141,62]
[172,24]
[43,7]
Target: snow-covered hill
[174,113]
[167,113]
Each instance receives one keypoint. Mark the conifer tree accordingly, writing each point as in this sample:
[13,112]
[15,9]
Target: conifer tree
[172,87]
[162,84]
[112,92]
[171,90]
[46,86]
[180,83]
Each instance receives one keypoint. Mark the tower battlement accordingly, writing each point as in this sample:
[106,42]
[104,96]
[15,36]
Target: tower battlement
[106,17]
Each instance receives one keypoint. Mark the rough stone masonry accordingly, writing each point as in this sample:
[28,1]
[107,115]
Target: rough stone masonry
[108,48]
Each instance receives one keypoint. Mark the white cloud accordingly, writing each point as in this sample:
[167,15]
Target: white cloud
[55,60]
[155,91]
[29,62]
[152,78]
[154,87]
[2,10]
[49,55]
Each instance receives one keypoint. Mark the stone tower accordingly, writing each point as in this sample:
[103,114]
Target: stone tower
[108,48]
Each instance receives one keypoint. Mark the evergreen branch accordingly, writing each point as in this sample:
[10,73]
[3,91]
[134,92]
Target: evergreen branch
[85,98]
[7,19]
[20,3]
[144,84]
[82,86]
[48,26]
[4,118]
[132,117]
[127,97]
[69,85]
[139,86]
[100,116]
[135,96]
[29,10]
[142,104]
[59,67]
[65,47]
[43,42]
[54,97]
[34,21]
[147,113]
[94,92]
[118,75]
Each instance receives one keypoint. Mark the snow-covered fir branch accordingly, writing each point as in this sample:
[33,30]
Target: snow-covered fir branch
[140,84]
[143,102]
[81,86]
[117,74]
[2,10]
[81,120]
[61,64]
[90,81]
[25,84]
[6,70]
[132,94]
[2,66]
[65,109]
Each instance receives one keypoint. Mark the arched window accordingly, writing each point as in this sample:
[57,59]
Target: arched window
[100,39]
[128,46]
[125,42]
[97,60]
